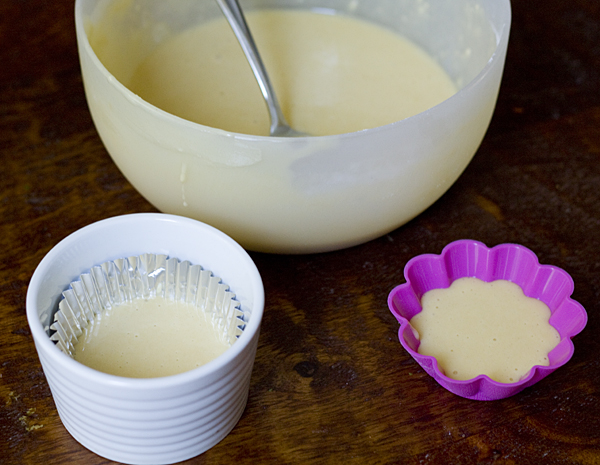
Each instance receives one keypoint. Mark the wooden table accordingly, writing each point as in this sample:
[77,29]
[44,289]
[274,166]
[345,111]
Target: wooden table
[331,383]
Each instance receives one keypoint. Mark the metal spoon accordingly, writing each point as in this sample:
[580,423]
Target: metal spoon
[233,12]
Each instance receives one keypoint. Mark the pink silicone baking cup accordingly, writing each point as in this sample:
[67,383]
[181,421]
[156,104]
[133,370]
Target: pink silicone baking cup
[512,262]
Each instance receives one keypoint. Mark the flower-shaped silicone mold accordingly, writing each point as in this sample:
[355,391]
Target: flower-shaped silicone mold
[511,262]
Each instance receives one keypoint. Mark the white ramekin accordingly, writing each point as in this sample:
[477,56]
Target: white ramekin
[155,420]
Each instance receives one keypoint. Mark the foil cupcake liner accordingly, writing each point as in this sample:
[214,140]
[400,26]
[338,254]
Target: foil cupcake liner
[511,262]
[146,276]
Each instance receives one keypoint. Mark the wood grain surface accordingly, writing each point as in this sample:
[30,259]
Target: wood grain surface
[331,383]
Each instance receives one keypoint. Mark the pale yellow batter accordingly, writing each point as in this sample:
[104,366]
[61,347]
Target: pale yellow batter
[474,328]
[333,74]
[149,339]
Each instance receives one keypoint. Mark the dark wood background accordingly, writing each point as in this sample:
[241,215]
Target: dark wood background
[331,383]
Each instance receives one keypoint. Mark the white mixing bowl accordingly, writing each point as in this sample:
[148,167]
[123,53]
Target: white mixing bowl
[298,195]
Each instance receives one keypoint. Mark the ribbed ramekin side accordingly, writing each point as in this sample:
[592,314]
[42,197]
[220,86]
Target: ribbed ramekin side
[149,433]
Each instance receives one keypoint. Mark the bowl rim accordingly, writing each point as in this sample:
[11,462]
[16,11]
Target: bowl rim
[502,35]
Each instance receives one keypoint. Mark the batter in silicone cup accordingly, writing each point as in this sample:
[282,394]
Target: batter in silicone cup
[475,328]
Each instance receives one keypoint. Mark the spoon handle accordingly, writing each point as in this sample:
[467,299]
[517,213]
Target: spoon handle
[233,12]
